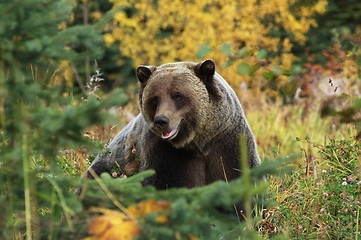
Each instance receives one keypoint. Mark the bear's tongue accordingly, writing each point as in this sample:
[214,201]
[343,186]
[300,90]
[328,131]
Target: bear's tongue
[170,134]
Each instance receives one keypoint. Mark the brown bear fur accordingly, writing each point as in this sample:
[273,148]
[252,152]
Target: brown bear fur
[188,130]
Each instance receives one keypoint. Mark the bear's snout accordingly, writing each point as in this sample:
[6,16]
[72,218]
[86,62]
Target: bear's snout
[161,121]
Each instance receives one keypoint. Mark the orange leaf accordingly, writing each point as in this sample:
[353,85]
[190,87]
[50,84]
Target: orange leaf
[116,225]
[150,206]
[113,225]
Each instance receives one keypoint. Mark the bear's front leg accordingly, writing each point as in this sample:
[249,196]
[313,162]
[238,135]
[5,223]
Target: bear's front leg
[101,164]
[174,167]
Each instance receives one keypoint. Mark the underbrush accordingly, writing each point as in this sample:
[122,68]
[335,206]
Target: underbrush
[322,199]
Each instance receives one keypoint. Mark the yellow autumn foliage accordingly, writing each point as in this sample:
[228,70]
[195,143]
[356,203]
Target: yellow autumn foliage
[156,32]
[113,224]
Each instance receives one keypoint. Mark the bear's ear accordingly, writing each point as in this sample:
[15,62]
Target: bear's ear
[205,70]
[143,73]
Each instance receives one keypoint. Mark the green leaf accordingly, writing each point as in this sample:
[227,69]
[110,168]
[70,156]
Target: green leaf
[268,75]
[296,69]
[244,69]
[277,70]
[263,53]
[243,52]
[227,49]
[203,50]
[227,64]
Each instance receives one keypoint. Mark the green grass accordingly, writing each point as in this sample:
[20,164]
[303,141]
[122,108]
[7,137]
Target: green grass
[302,209]
[277,128]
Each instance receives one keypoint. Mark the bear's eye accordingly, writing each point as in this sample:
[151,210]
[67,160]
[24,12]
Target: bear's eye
[178,97]
[154,101]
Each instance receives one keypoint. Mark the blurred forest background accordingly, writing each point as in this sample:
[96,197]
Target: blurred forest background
[67,86]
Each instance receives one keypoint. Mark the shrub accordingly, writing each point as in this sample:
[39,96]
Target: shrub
[252,38]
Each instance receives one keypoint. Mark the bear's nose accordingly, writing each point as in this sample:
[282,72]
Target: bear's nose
[161,121]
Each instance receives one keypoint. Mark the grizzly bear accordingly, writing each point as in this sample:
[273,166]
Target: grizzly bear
[188,129]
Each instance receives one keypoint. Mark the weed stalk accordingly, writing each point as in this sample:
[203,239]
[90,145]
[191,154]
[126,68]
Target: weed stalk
[27,188]
[247,180]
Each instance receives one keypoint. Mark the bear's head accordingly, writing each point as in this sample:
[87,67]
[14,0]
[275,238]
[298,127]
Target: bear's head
[175,99]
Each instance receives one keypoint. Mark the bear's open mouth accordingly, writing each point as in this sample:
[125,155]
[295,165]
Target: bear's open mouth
[170,134]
